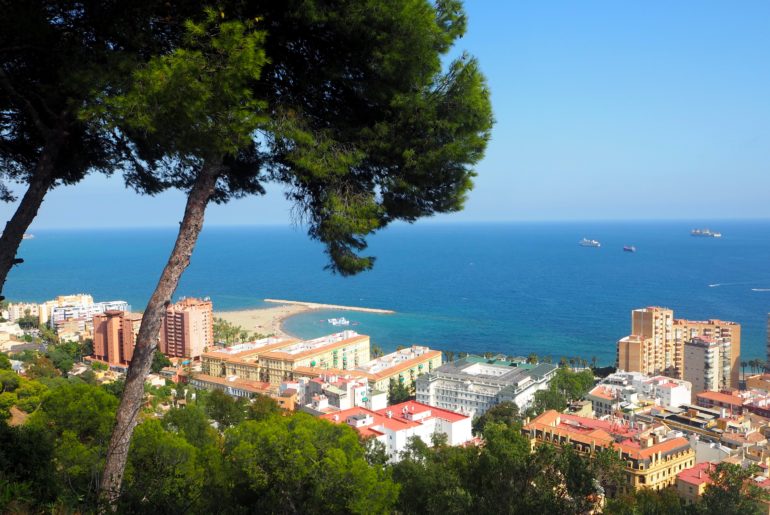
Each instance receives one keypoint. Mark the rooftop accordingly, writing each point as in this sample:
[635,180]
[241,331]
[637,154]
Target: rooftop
[698,474]
[309,347]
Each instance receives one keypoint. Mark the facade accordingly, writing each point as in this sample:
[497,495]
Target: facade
[331,392]
[234,386]
[403,366]
[72,317]
[718,330]
[473,384]
[654,455]
[691,482]
[629,392]
[395,425]
[114,336]
[19,310]
[187,329]
[727,400]
[240,360]
[656,345]
[707,364]
[79,299]
[344,350]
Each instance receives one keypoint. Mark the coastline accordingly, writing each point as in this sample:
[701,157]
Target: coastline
[269,320]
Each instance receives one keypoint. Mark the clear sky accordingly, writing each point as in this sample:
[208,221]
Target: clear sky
[604,109]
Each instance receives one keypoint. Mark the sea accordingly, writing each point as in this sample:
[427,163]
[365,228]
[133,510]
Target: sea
[510,288]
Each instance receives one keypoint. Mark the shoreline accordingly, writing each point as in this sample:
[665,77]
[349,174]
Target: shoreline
[269,320]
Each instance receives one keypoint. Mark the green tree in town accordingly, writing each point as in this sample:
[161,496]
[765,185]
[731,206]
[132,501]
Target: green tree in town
[227,411]
[397,392]
[163,473]
[5,362]
[159,362]
[503,413]
[301,464]
[733,491]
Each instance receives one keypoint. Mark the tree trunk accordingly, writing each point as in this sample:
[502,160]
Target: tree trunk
[147,338]
[39,183]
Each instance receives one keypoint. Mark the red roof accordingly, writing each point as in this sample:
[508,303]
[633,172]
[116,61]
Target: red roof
[723,398]
[698,474]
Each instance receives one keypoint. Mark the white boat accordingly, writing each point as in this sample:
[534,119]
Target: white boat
[339,321]
[27,236]
[585,242]
[705,233]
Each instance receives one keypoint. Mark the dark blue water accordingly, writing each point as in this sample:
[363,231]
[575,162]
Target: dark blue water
[511,288]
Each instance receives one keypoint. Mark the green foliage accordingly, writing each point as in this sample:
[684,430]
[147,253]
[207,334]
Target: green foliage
[9,381]
[228,333]
[304,465]
[98,365]
[61,359]
[227,411]
[5,362]
[733,491]
[159,361]
[503,413]
[42,367]
[28,322]
[163,473]
[649,502]
[262,407]
[567,386]
[26,474]
[397,392]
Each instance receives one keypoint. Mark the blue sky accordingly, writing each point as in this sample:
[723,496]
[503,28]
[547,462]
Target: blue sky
[605,110]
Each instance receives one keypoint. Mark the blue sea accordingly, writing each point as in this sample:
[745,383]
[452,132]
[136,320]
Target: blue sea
[513,288]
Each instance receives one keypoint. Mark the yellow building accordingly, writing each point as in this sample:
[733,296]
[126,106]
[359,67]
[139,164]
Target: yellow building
[402,366]
[240,360]
[653,456]
[345,351]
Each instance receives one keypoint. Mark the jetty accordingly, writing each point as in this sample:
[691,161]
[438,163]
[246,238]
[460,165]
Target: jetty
[315,305]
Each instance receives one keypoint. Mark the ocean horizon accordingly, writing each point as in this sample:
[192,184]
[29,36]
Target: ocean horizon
[502,287]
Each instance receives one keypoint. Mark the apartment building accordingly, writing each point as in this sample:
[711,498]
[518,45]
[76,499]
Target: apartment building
[714,329]
[77,318]
[654,455]
[707,364]
[628,392]
[187,328]
[114,335]
[474,384]
[656,345]
[19,310]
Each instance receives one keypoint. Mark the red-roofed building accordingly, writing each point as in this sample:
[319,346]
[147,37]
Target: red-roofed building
[732,403]
[653,455]
[395,425]
[691,482]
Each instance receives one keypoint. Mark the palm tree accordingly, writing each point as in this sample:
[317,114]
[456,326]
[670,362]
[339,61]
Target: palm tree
[743,369]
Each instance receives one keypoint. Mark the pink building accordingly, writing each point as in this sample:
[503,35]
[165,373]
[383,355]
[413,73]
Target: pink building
[187,329]
[115,336]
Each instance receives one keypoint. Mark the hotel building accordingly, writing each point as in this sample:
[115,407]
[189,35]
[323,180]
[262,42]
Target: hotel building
[626,393]
[115,336]
[403,366]
[473,384]
[653,455]
[707,364]
[240,360]
[187,329]
[344,350]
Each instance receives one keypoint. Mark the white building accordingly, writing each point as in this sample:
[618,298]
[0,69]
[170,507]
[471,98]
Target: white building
[629,391]
[473,384]
[707,364]
[331,392]
[83,312]
[394,426]
[19,310]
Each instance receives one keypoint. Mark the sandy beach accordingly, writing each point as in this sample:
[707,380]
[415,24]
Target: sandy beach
[269,320]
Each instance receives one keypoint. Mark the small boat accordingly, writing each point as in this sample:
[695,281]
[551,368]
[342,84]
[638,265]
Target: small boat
[629,248]
[339,321]
[585,242]
[705,233]
[27,236]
